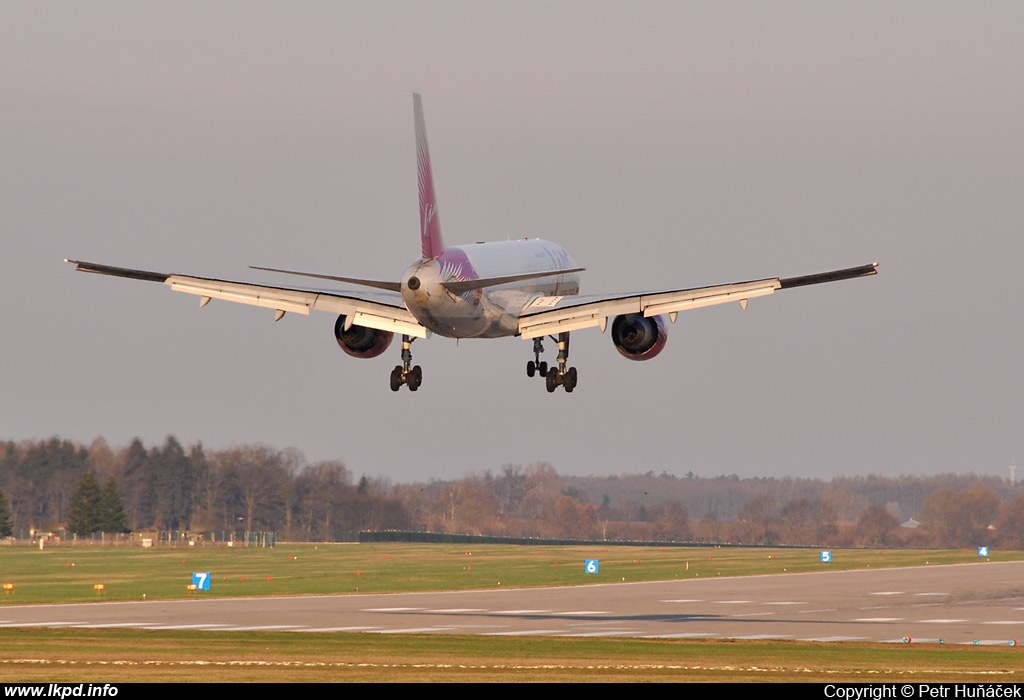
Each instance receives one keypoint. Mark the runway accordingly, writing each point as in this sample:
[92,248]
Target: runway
[981,603]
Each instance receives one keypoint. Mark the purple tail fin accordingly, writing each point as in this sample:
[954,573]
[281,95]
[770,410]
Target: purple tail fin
[430,223]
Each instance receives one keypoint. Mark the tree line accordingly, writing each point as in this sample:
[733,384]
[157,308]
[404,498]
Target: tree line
[259,488]
[173,488]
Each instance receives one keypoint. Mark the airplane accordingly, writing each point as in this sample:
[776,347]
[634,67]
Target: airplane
[527,288]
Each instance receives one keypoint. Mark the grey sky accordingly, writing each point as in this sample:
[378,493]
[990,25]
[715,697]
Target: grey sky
[663,144]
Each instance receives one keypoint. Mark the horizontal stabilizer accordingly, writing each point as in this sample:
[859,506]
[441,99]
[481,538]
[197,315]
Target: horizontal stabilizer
[461,286]
[376,284]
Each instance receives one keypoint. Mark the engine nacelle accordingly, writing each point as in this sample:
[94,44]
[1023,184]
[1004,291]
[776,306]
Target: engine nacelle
[360,341]
[637,337]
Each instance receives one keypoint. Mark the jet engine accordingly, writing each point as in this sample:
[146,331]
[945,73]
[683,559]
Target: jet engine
[637,337]
[360,341]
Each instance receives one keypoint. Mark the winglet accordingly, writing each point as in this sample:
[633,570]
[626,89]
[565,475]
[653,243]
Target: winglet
[144,275]
[430,223]
[834,276]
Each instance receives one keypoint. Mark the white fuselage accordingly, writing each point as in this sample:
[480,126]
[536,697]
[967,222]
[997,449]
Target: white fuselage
[491,311]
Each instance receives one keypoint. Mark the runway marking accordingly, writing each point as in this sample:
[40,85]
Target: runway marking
[40,624]
[211,627]
[819,610]
[691,618]
[581,612]
[684,600]
[335,629]
[757,614]
[887,593]
[521,612]
[734,602]
[833,639]
[458,611]
[259,628]
[106,625]
[935,593]
[943,621]
[609,633]
[786,602]
[878,619]
[986,642]
[753,637]
[522,633]
[1004,622]
[414,630]
[679,635]
[388,610]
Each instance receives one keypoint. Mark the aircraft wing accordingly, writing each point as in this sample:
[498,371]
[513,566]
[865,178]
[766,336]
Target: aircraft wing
[553,315]
[382,310]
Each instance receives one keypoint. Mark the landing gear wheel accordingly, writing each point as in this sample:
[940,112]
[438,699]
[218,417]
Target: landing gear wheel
[405,373]
[414,378]
[555,376]
[569,381]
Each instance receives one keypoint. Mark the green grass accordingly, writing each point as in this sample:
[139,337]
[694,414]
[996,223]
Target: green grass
[100,656]
[69,573]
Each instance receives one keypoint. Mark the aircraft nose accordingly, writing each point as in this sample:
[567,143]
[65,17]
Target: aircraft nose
[413,283]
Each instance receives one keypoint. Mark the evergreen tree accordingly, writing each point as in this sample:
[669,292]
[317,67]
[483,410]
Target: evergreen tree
[139,482]
[84,514]
[6,528]
[112,517]
[174,480]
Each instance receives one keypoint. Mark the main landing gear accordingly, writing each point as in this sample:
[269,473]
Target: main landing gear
[537,365]
[554,377]
[405,373]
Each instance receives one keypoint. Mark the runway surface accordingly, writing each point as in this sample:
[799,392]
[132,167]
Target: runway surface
[979,603]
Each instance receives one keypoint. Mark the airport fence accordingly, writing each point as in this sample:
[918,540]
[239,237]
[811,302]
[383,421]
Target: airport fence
[154,538]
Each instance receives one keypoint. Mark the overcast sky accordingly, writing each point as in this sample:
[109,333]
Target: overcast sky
[664,144]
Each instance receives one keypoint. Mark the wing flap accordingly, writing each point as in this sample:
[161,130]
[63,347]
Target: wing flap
[574,318]
[383,311]
[372,314]
[551,315]
[253,295]
[672,302]
[590,312]
[391,316]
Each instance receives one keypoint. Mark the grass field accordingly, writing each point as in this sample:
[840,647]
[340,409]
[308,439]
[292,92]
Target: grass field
[101,656]
[69,573]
